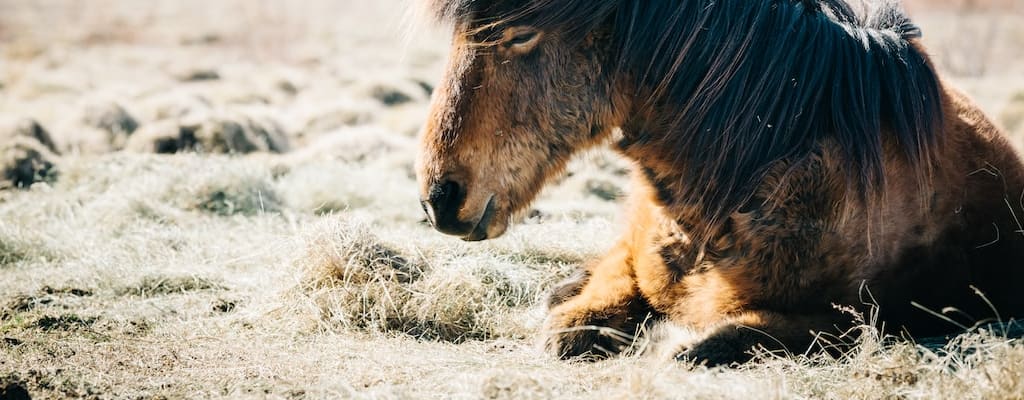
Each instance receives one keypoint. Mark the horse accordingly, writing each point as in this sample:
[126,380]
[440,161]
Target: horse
[794,161]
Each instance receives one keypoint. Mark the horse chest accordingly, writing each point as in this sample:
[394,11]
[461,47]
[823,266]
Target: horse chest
[737,272]
[677,278]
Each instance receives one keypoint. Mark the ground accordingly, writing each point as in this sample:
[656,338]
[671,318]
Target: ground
[281,253]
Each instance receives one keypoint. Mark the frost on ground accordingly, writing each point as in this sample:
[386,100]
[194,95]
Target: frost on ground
[226,208]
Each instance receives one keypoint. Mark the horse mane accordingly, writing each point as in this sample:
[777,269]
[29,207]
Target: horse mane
[756,82]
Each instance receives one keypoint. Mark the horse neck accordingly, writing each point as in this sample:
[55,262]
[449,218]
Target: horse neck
[718,106]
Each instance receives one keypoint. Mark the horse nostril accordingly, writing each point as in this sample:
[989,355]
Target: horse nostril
[442,206]
[442,193]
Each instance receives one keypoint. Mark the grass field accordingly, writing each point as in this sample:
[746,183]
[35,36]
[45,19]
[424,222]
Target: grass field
[300,265]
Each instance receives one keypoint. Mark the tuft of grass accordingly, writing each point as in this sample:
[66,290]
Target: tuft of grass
[18,305]
[17,245]
[12,252]
[238,133]
[353,280]
[246,192]
[324,189]
[25,161]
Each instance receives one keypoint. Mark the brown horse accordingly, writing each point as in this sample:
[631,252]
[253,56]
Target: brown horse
[791,156]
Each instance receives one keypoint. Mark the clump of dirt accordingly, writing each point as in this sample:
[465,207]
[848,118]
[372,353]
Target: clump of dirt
[48,383]
[12,387]
[165,285]
[72,291]
[12,342]
[47,295]
[224,306]
[65,322]
[20,304]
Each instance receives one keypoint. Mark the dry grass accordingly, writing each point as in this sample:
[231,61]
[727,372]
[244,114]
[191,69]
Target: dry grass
[304,269]
[1013,115]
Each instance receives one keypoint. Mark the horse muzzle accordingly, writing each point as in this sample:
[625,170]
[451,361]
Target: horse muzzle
[444,203]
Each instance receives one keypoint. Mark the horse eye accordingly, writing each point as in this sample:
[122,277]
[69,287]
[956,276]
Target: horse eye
[520,37]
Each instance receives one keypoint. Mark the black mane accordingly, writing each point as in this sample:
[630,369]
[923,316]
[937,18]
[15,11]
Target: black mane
[756,81]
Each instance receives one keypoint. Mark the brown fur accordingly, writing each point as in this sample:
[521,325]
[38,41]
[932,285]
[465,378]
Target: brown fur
[772,274]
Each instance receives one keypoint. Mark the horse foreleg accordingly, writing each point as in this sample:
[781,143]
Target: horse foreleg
[599,312]
[736,340]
